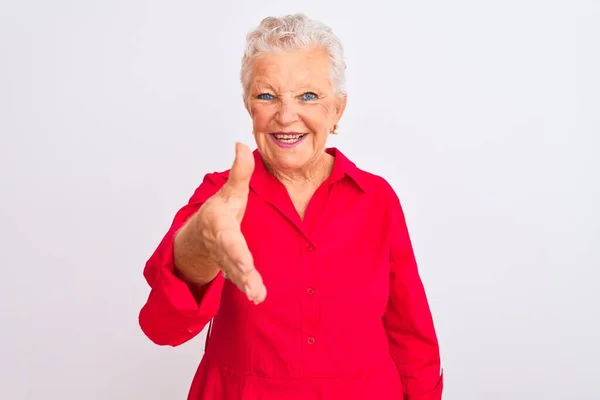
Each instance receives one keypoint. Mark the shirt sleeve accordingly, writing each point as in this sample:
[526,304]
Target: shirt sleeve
[408,320]
[172,315]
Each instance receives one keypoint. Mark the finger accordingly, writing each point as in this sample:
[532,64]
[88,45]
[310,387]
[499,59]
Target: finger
[236,259]
[241,170]
[251,283]
[255,288]
[238,264]
[235,251]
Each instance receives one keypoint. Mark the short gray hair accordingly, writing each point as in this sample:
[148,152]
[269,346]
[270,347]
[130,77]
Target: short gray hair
[293,32]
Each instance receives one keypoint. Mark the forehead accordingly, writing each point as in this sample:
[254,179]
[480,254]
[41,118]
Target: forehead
[286,71]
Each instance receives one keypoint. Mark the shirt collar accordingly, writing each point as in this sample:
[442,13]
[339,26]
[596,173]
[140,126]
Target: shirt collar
[342,168]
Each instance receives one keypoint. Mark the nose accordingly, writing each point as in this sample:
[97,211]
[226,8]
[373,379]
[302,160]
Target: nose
[287,113]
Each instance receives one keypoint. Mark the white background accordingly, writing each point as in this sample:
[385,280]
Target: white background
[483,115]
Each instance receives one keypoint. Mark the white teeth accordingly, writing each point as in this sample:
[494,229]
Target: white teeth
[288,138]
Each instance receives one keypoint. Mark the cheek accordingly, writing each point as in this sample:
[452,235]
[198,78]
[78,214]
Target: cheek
[317,117]
[261,116]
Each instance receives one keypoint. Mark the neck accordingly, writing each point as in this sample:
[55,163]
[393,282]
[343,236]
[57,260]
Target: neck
[315,173]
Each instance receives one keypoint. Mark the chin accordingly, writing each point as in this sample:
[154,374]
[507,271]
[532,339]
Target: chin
[286,158]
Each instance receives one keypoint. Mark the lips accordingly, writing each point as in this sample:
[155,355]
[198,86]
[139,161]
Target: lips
[287,139]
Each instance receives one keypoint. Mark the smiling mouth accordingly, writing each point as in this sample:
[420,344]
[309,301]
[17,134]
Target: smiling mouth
[288,138]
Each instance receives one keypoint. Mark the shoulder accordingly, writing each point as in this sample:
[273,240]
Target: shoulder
[384,197]
[211,184]
[376,184]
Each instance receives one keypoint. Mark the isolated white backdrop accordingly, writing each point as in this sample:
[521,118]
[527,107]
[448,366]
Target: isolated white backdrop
[483,115]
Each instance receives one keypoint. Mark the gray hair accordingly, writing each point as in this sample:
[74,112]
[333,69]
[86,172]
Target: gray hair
[293,32]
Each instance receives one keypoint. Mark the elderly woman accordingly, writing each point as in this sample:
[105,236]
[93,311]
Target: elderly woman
[300,261]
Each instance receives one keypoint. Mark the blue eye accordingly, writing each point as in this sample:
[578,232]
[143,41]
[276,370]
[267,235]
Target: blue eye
[265,96]
[308,96]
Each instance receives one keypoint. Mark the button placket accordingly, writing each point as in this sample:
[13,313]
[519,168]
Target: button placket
[310,301]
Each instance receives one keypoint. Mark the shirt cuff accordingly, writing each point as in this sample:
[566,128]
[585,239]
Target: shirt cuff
[172,314]
[187,303]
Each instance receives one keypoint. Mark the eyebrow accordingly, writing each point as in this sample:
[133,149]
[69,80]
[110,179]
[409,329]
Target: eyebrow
[261,84]
[258,86]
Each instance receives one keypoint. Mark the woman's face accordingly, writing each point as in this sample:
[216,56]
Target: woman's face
[293,107]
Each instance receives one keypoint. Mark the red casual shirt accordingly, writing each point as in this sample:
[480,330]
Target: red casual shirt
[346,316]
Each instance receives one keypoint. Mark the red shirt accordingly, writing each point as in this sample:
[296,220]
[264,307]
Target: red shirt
[346,316]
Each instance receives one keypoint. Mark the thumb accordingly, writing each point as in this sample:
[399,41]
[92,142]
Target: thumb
[242,168]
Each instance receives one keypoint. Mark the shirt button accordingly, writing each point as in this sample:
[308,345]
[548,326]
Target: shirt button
[311,340]
[310,291]
[310,247]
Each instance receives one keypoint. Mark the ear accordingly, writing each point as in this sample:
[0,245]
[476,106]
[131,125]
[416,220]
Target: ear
[340,107]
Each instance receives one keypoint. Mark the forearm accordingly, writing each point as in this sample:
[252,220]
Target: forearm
[408,319]
[193,263]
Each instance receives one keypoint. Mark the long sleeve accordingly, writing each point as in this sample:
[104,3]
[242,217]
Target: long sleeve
[172,315]
[408,320]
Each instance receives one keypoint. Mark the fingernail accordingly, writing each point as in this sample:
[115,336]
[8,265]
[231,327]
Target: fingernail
[247,289]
